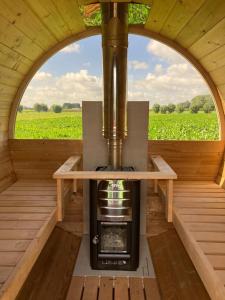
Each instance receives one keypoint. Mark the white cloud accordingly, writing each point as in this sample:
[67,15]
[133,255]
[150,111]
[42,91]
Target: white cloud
[138,65]
[178,82]
[39,76]
[71,48]
[164,52]
[70,87]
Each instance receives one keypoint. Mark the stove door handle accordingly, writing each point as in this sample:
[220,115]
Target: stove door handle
[95,240]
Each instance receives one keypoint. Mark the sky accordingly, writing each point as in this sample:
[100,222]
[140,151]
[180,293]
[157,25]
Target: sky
[156,73]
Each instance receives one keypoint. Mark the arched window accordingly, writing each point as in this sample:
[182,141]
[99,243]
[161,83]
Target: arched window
[181,106]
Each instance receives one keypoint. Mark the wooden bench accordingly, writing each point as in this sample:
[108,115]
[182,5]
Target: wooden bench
[162,172]
[70,165]
[27,218]
[161,165]
[199,218]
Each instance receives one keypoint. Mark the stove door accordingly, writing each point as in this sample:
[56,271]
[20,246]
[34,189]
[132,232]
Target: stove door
[114,237]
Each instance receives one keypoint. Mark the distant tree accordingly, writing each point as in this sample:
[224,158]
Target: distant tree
[156,108]
[67,105]
[186,104]
[207,108]
[56,108]
[40,107]
[171,108]
[201,100]
[163,109]
[20,108]
[44,107]
[37,107]
[180,108]
[194,108]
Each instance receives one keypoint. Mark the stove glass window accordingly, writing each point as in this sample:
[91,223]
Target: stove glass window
[114,238]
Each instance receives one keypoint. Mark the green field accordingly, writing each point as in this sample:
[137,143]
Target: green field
[68,125]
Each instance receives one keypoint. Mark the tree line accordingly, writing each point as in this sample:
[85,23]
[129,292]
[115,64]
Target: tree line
[198,103]
[40,107]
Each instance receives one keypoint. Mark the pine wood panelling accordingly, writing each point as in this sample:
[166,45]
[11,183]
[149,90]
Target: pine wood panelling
[158,14]
[21,16]
[55,21]
[14,60]
[215,59]
[210,13]
[182,12]
[41,158]
[189,159]
[211,41]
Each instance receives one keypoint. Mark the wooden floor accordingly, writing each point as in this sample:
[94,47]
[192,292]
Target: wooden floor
[27,218]
[108,288]
[199,218]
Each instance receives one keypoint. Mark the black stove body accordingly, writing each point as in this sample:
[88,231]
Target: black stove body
[114,223]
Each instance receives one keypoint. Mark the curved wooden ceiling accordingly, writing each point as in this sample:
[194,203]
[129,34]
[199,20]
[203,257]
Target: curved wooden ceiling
[30,29]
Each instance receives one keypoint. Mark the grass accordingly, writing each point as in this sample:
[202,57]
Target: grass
[68,125]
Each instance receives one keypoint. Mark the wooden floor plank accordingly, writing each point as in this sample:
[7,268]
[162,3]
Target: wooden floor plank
[91,285]
[106,288]
[121,290]
[76,288]
[50,277]
[151,289]
[136,289]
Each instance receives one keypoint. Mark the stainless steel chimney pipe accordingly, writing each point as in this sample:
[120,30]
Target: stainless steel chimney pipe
[114,45]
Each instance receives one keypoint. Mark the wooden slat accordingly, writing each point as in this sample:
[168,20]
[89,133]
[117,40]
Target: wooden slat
[158,14]
[91,285]
[21,224]
[17,234]
[14,245]
[121,290]
[211,41]
[216,237]
[136,289]
[202,211]
[204,19]
[217,261]
[201,226]
[10,258]
[76,288]
[4,273]
[179,16]
[106,288]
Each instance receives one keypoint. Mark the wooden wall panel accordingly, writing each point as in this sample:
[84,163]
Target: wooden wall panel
[191,160]
[7,175]
[41,158]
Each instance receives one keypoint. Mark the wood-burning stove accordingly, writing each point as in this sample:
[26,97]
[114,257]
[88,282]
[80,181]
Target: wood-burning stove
[114,224]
